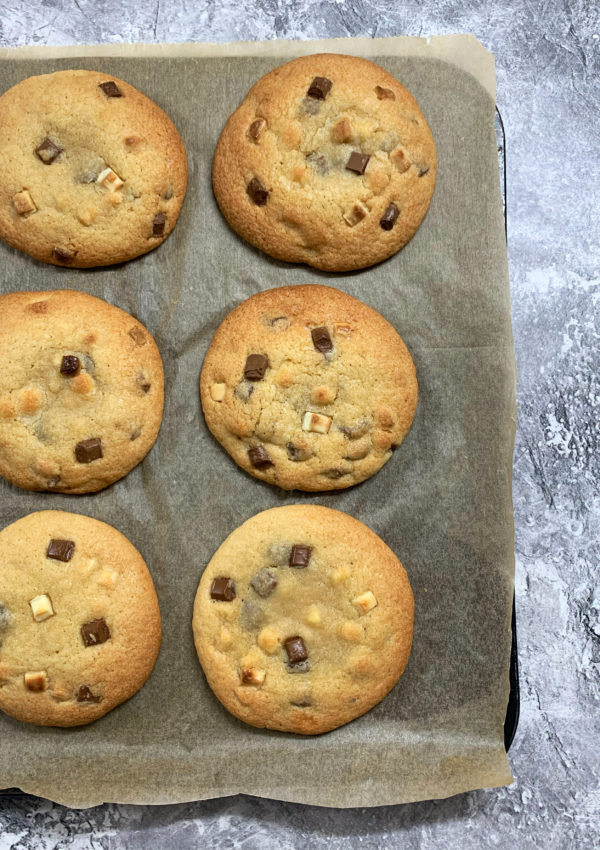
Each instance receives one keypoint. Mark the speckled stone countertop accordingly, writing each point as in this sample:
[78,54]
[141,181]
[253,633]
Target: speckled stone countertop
[548,67]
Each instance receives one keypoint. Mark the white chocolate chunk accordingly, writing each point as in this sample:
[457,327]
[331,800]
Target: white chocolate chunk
[365,602]
[316,422]
[217,392]
[342,328]
[36,681]
[252,676]
[400,160]
[312,616]
[268,640]
[23,203]
[339,575]
[108,578]
[109,179]
[41,607]
[351,631]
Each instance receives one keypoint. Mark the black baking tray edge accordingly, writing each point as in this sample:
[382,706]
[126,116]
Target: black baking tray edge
[511,720]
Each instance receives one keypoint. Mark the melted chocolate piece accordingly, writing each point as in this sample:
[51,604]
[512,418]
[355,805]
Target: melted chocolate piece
[296,649]
[321,339]
[319,88]
[88,450]
[84,694]
[303,702]
[95,632]
[158,224]
[243,391]
[357,162]
[259,457]
[70,365]
[388,219]
[300,556]
[252,615]
[223,589]
[256,366]
[299,667]
[423,170]
[60,550]
[319,163]
[63,255]
[256,128]
[110,89]
[48,151]
[384,94]
[257,192]
[264,583]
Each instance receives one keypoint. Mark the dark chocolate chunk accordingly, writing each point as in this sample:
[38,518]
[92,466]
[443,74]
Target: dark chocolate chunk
[63,255]
[60,550]
[48,151]
[423,170]
[257,192]
[256,128]
[300,556]
[84,694]
[88,450]
[299,667]
[319,88]
[223,589]
[111,89]
[388,219]
[70,365]
[264,583]
[256,366]
[296,649]
[252,615]
[295,453]
[95,632]
[321,339]
[158,224]
[259,457]
[357,162]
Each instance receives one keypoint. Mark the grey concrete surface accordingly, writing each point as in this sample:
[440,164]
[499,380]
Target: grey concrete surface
[548,64]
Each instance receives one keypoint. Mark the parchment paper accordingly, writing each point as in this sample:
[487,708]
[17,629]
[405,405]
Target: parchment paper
[443,502]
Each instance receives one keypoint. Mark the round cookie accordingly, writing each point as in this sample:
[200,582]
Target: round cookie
[328,161]
[80,625]
[308,388]
[81,391]
[303,620]
[93,172]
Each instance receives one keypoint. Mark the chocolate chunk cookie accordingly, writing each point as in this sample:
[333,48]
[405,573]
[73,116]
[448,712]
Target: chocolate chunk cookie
[303,620]
[308,388]
[328,161]
[81,391]
[93,172]
[80,625]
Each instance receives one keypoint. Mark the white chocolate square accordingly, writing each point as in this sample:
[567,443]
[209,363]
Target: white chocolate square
[268,640]
[217,392]
[365,602]
[36,681]
[41,608]
[109,179]
[313,616]
[316,422]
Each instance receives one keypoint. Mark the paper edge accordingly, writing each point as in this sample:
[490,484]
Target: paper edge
[464,50]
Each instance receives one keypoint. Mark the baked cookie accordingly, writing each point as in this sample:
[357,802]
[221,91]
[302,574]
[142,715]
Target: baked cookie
[81,391]
[308,388]
[303,620]
[328,161]
[93,172]
[80,625]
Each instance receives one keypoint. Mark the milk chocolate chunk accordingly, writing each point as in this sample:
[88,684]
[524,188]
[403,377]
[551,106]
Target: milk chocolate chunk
[296,649]
[388,219]
[319,88]
[257,192]
[223,589]
[84,694]
[111,89]
[60,550]
[259,457]
[158,224]
[264,583]
[48,151]
[256,128]
[63,255]
[357,162]
[256,366]
[70,365]
[321,339]
[300,556]
[88,450]
[95,632]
